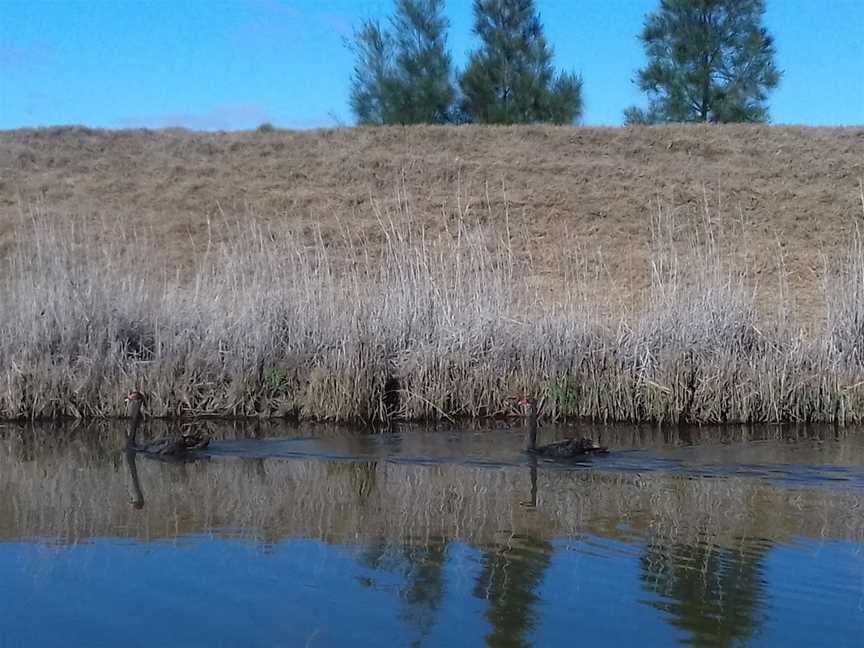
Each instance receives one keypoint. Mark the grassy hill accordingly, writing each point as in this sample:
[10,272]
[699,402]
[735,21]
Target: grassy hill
[699,273]
[585,195]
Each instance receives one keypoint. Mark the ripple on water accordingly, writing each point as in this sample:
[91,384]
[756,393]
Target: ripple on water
[438,537]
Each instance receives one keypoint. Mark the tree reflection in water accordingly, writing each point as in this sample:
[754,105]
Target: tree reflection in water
[714,594]
[422,568]
[669,552]
[509,580]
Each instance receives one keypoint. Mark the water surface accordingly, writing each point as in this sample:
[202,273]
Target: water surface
[323,536]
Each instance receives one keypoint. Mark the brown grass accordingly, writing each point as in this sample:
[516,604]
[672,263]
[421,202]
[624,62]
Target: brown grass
[585,191]
[426,305]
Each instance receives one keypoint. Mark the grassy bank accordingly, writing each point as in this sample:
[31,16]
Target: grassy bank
[583,191]
[441,322]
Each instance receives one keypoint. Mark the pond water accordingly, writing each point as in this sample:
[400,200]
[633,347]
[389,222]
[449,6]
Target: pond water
[281,535]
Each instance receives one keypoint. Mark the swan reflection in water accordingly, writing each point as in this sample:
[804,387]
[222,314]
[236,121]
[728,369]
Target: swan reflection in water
[177,447]
[136,495]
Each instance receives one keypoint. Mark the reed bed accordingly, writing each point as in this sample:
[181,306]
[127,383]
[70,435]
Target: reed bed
[438,326]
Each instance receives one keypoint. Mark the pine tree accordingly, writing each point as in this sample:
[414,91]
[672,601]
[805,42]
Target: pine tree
[708,61]
[422,70]
[372,84]
[403,76]
[510,78]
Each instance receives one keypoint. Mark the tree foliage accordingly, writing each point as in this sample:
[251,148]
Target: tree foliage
[403,76]
[708,61]
[372,83]
[423,65]
[510,78]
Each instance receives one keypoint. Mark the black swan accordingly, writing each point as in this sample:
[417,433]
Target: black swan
[166,446]
[569,449]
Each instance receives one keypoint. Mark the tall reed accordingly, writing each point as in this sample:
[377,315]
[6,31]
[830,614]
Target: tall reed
[445,323]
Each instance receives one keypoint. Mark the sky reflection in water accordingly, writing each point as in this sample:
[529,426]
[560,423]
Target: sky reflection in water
[378,553]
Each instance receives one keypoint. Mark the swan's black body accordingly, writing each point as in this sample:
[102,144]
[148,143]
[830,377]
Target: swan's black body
[164,447]
[569,449]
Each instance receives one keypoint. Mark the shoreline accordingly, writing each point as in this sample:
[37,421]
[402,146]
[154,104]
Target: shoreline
[439,329]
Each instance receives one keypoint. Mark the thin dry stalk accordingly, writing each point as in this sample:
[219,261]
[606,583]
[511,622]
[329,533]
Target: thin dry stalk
[440,325]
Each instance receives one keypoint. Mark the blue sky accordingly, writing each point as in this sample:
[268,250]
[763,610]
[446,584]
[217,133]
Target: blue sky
[218,64]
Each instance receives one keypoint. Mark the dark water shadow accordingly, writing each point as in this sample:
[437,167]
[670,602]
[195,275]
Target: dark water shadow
[793,455]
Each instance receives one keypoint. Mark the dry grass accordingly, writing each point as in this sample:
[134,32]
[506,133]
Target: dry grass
[435,327]
[589,190]
[392,308]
